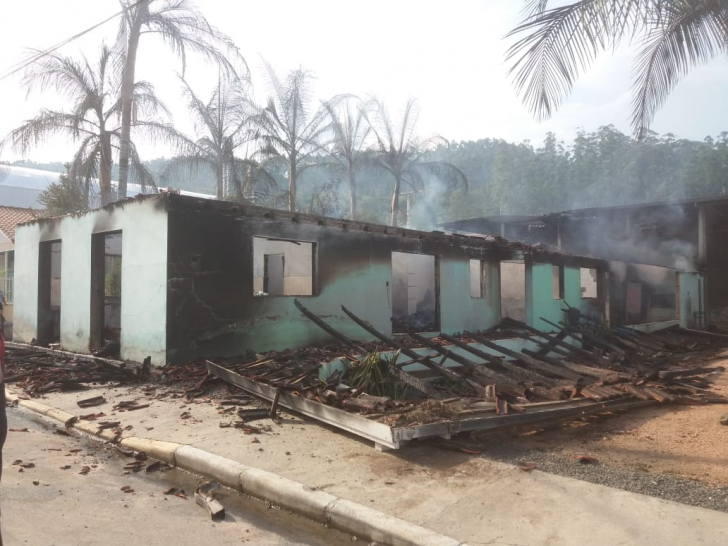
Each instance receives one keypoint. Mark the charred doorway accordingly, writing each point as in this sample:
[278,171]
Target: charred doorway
[49,292]
[415,293]
[106,267]
[513,289]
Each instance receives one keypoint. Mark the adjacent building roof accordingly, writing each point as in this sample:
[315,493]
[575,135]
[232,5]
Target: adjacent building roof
[21,187]
[480,221]
[12,216]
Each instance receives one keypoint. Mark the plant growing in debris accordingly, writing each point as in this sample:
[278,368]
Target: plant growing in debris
[372,376]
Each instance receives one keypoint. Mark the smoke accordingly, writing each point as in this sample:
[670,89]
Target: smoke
[649,237]
[424,206]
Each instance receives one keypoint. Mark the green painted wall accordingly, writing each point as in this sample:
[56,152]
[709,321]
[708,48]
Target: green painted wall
[689,301]
[458,310]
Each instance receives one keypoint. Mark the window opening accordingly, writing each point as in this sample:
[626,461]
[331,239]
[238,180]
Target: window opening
[588,282]
[477,278]
[282,268]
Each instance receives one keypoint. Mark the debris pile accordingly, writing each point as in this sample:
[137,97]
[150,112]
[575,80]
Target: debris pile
[38,371]
[473,382]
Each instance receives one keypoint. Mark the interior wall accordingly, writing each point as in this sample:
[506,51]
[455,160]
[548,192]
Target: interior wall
[691,298]
[298,268]
[513,290]
[644,293]
[414,292]
[144,227]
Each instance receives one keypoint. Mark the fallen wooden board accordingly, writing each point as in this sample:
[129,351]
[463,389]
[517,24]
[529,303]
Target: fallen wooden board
[386,436]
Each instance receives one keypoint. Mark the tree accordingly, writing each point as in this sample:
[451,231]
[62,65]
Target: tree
[93,94]
[401,153]
[64,197]
[350,130]
[560,42]
[183,27]
[220,124]
[290,128]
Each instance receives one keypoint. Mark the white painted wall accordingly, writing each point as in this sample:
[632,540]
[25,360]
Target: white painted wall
[143,278]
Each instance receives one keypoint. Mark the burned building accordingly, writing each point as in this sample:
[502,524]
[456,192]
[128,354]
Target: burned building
[176,278]
[681,241]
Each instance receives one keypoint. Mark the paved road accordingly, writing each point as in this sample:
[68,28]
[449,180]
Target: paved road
[47,505]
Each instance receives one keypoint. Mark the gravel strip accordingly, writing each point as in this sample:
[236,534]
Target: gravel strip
[664,487]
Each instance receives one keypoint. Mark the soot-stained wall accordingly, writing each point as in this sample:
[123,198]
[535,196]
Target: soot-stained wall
[212,309]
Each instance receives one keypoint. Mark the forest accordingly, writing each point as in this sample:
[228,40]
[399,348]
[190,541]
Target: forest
[600,168]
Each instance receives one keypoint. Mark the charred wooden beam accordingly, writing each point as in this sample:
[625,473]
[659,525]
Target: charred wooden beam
[568,346]
[580,369]
[434,366]
[526,360]
[496,361]
[551,345]
[544,346]
[406,378]
[326,328]
[482,377]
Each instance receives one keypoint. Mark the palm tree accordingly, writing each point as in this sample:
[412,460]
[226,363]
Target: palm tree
[559,43]
[289,128]
[95,106]
[220,124]
[401,153]
[350,134]
[183,27]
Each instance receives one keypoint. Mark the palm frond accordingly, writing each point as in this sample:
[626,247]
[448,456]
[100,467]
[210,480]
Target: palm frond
[181,25]
[688,35]
[140,173]
[46,124]
[562,42]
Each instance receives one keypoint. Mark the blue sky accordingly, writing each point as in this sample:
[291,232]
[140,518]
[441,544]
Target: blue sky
[450,55]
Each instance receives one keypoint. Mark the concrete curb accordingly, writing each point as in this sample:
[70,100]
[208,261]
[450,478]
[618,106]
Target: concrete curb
[351,517]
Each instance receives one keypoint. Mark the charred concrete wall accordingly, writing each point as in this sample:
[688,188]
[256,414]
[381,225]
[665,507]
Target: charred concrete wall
[143,224]
[212,309]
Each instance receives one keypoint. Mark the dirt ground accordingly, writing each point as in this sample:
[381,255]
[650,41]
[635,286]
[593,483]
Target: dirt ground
[682,441]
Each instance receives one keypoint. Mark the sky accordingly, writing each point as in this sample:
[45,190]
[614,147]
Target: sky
[449,55]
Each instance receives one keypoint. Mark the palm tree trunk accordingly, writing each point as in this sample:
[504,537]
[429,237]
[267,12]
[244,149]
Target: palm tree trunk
[105,169]
[220,174]
[395,200]
[127,95]
[292,184]
[352,193]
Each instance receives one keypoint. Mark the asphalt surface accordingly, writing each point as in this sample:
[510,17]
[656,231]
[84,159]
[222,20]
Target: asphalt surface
[51,503]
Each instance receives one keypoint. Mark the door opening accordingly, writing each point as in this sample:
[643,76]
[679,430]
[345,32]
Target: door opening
[106,268]
[513,290]
[415,294]
[49,293]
